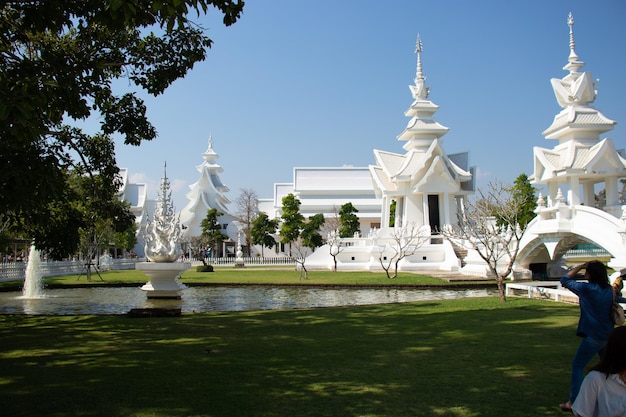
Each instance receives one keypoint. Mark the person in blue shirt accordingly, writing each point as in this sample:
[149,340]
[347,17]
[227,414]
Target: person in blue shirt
[595,298]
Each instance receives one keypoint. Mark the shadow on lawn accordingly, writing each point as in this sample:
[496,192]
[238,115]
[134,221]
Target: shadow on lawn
[474,357]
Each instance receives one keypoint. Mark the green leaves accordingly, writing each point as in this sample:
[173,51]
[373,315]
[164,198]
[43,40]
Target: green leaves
[59,61]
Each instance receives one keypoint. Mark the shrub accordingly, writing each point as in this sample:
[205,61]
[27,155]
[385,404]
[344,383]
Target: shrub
[204,268]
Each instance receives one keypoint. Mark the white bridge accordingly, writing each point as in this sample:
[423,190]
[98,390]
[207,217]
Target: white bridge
[557,229]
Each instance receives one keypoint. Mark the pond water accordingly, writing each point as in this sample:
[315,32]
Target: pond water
[120,300]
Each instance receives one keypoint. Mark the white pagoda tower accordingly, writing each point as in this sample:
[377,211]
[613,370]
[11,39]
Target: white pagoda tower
[580,165]
[427,185]
[580,160]
[205,194]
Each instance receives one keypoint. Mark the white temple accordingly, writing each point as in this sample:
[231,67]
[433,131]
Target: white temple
[428,187]
[136,194]
[577,168]
[205,194]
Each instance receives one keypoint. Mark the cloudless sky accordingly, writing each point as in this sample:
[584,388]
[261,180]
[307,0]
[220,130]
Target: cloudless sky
[324,83]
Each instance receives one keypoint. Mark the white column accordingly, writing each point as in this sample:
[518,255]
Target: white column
[611,192]
[446,208]
[553,188]
[588,195]
[384,216]
[399,212]
[573,194]
[425,209]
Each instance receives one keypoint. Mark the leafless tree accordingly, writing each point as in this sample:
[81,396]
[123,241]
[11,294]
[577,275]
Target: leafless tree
[491,226]
[403,241]
[299,254]
[246,211]
[334,246]
[331,231]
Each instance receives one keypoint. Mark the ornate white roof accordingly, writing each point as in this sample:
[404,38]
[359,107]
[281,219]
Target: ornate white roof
[580,152]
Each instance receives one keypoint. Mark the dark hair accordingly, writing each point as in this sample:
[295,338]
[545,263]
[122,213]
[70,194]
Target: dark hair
[614,360]
[597,273]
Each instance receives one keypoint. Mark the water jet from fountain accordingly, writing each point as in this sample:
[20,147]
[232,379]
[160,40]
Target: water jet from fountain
[33,282]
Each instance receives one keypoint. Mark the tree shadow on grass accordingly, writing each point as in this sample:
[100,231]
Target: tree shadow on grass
[456,358]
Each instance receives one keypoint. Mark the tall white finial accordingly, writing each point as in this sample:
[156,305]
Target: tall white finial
[420,90]
[418,51]
[211,141]
[572,53]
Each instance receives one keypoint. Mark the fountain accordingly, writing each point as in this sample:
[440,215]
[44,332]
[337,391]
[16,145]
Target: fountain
[162,236]
[33,283]
[239,259]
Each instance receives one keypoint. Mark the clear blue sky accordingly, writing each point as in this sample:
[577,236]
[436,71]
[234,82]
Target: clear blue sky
[323,83]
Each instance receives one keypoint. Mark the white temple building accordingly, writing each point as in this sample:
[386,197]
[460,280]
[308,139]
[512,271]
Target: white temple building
[205,194]
[136,194]
[428,187]
[573,171]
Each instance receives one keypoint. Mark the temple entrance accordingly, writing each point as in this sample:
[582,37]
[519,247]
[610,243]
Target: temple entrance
[433,213]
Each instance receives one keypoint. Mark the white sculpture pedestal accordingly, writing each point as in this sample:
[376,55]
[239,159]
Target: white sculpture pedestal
[163,278]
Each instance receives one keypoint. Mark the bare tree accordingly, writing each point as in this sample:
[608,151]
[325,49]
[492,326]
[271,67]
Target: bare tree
[331,230]
[493,226]
[334,246]
[403,241]
[247,209]
[299,253]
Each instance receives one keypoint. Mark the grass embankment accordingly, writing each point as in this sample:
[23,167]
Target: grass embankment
[454,358]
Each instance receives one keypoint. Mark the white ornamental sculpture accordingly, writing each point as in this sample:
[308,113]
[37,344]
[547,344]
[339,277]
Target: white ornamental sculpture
[162,236]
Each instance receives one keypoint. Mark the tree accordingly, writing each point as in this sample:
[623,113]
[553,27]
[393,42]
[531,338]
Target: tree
[493,226]
[403,242]
[292,220]
[310,234]
[247,210]
[59,61]
[523,193]
[212,229]
[101,220]
[349,221]
[309,239]
[334,246]
[263,230]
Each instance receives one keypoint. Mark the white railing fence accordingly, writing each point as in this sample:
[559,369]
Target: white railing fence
[14,271]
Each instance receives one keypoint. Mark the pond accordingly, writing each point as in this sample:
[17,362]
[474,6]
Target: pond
[120,300]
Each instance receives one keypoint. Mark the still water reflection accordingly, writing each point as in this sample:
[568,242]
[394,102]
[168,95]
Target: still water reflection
[203,299]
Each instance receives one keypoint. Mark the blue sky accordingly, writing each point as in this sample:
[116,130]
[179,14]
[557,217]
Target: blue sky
[324,83]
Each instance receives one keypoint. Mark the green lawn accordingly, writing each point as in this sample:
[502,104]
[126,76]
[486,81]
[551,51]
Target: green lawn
[456,358]
[248,275]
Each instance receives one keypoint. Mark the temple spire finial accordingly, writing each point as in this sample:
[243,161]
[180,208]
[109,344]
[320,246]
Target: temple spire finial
[572,53]
[420,91]
[418,51]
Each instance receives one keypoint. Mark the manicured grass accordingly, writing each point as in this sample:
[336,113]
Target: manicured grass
[455,358]
[248,275]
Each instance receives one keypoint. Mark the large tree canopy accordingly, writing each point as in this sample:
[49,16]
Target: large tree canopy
[59,61]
